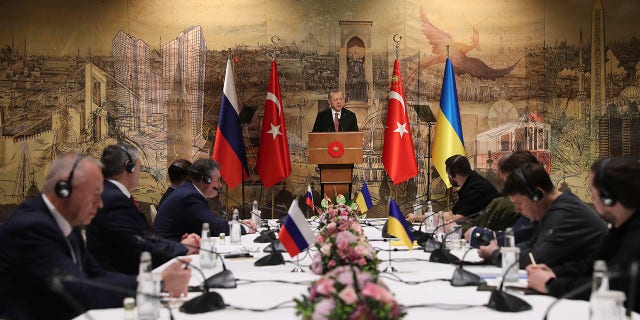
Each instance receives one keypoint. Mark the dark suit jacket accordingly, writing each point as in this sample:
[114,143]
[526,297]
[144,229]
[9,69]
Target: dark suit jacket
[33,250]
[184,212]
[114,234]
[170,189]
[324,121]
[618,251]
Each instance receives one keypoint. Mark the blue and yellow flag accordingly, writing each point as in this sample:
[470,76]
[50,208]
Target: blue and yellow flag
[364,198]
[449,140]
[397,225]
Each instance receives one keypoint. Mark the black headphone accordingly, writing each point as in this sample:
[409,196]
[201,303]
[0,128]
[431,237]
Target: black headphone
[63,188]
[129,166]
[451,172]
[205,178]
[534,194]
[608,199]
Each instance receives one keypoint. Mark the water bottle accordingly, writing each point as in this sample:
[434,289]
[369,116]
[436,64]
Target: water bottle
[430,222]
[600,277]
[417,208]
[146,290]
[602,303]
[510,257]
[235,228]
[256,214]
[207,260]
[129,305]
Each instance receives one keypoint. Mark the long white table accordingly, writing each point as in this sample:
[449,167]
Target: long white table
[443,299]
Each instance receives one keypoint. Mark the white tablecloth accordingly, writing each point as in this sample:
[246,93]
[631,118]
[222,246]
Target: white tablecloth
[445,300]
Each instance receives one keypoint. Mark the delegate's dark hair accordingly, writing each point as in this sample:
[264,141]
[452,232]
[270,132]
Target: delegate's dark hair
[178,170]
[619,177]
[509,163]
[202,167]
[458,164]
[534,177]
[116,157]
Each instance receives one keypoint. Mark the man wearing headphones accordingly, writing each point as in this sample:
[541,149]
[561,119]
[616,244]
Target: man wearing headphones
[615,192]
[43,260]
[568,229]
[475,191]
[119,232]
[186,209]
[177,172]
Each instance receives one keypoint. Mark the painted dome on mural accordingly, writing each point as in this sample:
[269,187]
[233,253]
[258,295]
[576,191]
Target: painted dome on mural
[631,93]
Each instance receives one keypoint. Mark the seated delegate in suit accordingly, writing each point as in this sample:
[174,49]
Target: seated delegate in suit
[41,240]
[326,120]
[501,213]
[119,232]
[567,228]
[177,173]
[475,191]
[186,209]
[615,192]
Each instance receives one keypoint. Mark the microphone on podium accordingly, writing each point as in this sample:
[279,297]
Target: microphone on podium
[502,301]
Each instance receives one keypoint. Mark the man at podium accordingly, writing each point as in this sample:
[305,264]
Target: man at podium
[336,118]
[336,166]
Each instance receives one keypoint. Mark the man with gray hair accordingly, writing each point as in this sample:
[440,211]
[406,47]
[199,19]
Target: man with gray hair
[43,261]
[120,232]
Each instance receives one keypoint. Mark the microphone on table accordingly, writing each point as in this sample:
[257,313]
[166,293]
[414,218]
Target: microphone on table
[272,259]
[223,279]
[206,302]
[502,301]
[463,278]
[243,204]
[442,255]
[425,239]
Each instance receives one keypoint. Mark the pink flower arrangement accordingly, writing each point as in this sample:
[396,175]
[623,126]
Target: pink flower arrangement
[341,241]
[347,292]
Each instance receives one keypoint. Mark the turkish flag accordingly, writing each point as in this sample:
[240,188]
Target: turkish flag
[398,155]
[273,156]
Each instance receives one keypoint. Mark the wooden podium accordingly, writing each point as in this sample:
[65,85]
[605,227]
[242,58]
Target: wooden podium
[335,153]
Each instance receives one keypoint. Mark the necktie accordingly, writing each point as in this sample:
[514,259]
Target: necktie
[336,121]
[135,203]
[75,249]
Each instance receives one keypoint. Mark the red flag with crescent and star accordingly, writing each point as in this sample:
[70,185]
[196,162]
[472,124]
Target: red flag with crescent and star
[273,155]
[398,154]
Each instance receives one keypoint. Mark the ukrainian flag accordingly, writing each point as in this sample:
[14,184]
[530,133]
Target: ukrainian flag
[397,225]
[364,198]
[448,140]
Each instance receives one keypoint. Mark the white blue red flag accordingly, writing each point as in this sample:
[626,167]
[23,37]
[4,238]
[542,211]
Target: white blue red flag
[228,149]
[296,234]
[309,199]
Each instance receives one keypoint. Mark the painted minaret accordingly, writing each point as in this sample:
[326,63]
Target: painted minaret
[178,120]
[598,72]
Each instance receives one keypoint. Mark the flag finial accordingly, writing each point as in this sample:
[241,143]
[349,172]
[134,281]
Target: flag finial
[397,38]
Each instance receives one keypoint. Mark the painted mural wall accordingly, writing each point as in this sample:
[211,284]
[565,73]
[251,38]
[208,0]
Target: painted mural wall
[559,78]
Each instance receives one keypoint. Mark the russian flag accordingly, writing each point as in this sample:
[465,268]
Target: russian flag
[309,199]
[228,149]
[296,234]
[397,225]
